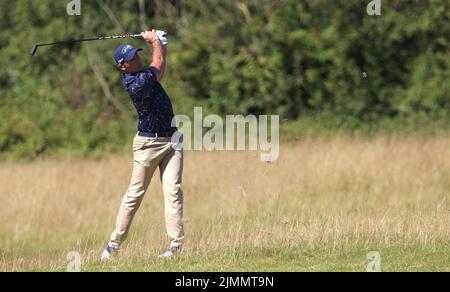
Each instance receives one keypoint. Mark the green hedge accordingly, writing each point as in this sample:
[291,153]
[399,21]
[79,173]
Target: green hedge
[298,59]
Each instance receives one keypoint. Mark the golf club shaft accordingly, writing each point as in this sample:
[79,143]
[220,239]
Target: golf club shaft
[92,39]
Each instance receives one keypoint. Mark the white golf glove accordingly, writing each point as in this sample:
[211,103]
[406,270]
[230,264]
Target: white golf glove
[162,37]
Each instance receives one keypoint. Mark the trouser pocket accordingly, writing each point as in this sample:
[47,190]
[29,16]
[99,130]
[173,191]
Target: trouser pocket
[139,143]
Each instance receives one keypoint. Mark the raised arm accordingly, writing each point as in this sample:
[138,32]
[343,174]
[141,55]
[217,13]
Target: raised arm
[159,53]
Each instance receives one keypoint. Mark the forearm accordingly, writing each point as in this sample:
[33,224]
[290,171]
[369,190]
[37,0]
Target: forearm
[159,58]
[159,51]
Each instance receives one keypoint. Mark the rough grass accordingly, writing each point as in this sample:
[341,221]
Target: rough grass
[322,206]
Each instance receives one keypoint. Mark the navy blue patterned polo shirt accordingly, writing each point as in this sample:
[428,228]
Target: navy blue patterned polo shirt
[150,100]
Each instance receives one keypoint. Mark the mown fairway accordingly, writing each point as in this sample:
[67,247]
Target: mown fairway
[322,206]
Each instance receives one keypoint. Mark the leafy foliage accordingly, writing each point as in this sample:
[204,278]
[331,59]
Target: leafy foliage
[292,58]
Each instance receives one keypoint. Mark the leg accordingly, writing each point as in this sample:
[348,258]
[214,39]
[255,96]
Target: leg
[171,171]
[145,161]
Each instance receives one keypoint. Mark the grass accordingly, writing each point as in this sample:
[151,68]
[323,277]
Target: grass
[279,258]
[322,206]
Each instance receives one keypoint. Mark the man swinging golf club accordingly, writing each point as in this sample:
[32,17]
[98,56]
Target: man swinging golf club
[152,145]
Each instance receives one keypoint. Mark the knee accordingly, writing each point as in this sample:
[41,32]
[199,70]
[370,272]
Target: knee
[173,189]
[133,197]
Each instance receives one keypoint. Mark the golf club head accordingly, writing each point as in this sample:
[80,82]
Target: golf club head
[33,50]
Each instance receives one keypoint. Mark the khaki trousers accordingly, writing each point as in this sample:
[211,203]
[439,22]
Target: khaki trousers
[150,153]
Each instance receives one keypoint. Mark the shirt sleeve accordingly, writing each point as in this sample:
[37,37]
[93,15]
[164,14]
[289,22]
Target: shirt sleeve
[152,71]
[143,82]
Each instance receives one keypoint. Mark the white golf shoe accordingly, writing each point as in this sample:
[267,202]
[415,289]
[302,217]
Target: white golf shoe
[172,251]
[109,253]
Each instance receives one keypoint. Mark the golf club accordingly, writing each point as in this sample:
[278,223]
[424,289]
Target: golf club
[35,47]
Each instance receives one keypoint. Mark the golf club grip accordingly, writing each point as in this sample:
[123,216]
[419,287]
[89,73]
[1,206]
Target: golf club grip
[109,38]
[123,36]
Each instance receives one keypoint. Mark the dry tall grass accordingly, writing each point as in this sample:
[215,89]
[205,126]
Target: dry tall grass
[335,192]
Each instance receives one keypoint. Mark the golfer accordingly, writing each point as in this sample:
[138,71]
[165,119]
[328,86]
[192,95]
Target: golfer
[152,147]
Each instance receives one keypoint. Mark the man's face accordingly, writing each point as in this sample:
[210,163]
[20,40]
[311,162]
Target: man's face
[133,66]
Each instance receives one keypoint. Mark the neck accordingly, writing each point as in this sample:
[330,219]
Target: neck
[134,71]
